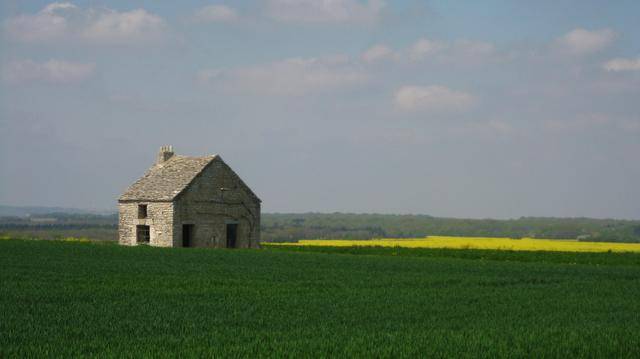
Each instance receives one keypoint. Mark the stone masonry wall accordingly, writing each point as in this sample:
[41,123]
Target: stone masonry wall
[209,209]
[159,219]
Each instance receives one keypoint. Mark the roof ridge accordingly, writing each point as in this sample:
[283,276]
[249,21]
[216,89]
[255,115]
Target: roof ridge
[164,181]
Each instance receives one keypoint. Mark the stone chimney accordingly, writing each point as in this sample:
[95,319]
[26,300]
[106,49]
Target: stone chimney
[165,153]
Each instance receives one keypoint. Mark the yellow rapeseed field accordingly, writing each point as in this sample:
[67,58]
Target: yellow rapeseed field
[523,244]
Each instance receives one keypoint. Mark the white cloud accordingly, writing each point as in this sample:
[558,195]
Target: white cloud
[324,11]
[424,47]
[432,99]
[293,76]
[53,7]
[485,128]
[621,64]
[456,52]
[52,71]
[125,27]
[216,13]
[581,41]
[501,127]
[67,22]
[472,48]
[377,53]
[47,24]
[591,121]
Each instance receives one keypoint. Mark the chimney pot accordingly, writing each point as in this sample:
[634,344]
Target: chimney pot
[166,152]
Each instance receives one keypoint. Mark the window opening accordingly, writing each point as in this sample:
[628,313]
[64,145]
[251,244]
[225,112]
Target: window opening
[142,211]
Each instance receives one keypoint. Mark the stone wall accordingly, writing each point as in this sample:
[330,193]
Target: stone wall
[159,219]
[209,209]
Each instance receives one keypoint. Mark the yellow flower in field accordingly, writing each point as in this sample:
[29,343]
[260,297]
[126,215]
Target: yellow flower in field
[522,244]
[76,239]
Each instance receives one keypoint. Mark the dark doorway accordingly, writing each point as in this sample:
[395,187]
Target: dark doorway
[187,235]
[232,235]
[142,234]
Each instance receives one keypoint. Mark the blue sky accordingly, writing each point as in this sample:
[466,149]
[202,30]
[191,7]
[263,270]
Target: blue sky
[466,109]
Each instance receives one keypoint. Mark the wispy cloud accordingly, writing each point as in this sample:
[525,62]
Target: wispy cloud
[377,53]
[424,49]
[52,71]
[593,121]
[331,11]
[67,22]
[125,27]
[216,13]
[622,64]
[47,24]
[581,41]
[294,76]
[432,99]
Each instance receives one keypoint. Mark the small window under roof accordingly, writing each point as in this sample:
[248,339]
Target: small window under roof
[142,211]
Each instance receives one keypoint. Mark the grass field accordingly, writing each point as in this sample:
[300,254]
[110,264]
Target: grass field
[521,244]
[87,299]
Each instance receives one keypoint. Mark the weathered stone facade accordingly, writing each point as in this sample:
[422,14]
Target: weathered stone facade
[159,219]
[190,202]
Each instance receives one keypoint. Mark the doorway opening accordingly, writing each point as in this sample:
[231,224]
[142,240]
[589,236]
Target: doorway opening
[232,235]
[143,234]
[187,235]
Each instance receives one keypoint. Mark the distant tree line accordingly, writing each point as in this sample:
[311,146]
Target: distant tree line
[60,225]
[281,227]
[291,227]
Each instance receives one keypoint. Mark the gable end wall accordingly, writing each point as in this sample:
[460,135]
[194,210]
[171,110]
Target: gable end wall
[209,209]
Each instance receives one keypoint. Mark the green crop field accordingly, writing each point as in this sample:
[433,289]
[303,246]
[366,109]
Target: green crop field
[86,299]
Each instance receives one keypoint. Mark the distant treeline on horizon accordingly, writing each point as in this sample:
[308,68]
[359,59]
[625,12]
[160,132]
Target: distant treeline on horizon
[280,227]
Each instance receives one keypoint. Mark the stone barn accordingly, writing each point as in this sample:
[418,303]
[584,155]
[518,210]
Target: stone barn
[189,202]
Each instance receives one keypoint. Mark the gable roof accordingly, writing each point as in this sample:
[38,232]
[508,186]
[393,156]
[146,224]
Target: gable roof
[165,181]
